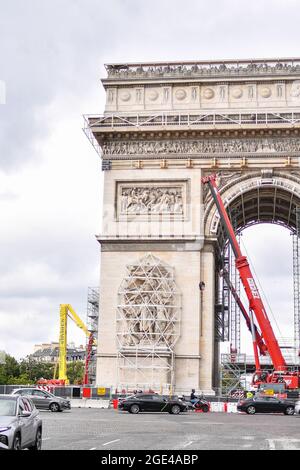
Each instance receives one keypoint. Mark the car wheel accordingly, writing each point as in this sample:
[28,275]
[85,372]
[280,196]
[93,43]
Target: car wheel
[17,442]
[205,408]
[54,407]
[38,441]
[175,410]
[134,409]
[289,410]
[251,410]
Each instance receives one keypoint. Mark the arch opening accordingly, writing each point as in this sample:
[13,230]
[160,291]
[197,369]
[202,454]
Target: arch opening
[251,202]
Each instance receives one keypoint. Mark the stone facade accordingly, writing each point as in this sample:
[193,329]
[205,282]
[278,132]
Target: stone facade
[164,127]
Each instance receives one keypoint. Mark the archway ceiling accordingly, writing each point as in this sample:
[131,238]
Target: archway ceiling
[264,205]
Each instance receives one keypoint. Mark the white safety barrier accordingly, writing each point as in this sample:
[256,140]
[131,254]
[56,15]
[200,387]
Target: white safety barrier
[221,407]
[232,408]
[87,403]
[217,407]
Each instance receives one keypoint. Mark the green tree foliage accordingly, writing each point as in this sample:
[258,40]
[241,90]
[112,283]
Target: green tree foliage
[28,372]
[75,372]
[24,372]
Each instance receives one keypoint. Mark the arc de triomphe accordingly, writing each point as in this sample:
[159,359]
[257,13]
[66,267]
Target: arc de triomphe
[165,125]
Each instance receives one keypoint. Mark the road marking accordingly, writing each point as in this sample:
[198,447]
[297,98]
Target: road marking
[46,438]
[204,423]
[187,444]
[93,448]
[248,438]
[284,443]
[110,442]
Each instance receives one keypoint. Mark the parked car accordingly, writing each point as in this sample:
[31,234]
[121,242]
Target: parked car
[44,400]
[266,405]
[20,423]
[297,407]
[152,402]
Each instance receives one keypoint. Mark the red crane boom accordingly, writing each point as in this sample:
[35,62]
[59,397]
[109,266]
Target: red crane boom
[255,301]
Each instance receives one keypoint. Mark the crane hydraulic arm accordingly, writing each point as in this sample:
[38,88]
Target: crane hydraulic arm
[255,301]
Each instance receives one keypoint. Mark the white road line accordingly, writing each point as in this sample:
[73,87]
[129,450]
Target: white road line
[110,442]
[46,438]
[93,448]
[284,443]
[187,444]
[204,423]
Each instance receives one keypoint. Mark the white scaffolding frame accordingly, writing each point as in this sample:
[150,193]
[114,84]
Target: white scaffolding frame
[148,322]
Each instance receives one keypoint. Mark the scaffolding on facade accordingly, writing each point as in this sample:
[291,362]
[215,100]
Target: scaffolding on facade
[92,324]
[228,318]
[296,278]
[148,324]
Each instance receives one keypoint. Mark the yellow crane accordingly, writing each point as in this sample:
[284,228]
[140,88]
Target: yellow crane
[66,310]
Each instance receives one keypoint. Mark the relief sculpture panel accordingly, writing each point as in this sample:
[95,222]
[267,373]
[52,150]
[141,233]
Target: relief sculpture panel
[146,198]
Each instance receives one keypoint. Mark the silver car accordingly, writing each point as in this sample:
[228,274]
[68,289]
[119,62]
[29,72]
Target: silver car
[20,423]
[297,407]
[44,400]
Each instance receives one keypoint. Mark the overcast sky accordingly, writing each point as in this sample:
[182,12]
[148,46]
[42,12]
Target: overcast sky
[51,59]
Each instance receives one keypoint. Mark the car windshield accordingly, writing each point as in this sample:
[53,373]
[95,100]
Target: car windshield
[7,407]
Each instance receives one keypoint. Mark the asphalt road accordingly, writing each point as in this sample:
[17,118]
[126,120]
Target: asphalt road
[93,429]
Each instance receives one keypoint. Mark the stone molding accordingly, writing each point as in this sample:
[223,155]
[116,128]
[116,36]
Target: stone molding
[201,147]
[204,69]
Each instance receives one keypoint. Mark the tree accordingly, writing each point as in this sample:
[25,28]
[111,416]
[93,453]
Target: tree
[75,372]
[36,370]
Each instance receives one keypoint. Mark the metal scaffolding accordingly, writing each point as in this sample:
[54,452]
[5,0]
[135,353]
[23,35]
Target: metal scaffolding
[92,324]
[296,278]
[235,313]
[148,323]
[228,319]
[233,373]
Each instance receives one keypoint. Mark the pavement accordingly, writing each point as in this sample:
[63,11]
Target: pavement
[109,429]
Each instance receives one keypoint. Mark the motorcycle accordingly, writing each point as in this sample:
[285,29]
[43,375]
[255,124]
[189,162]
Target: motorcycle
[200,405]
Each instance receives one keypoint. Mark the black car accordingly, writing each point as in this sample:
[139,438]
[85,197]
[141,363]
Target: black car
[266,405]
[152,402]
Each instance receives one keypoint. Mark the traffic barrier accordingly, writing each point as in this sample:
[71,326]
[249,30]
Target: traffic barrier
[232,408]
[115,403]
[89,403]
[217,407]
[97,404]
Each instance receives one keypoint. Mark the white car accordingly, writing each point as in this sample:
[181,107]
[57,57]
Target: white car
[20,423]
[297,407]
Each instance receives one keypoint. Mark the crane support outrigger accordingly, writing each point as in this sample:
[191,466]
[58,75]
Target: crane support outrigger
[269,343]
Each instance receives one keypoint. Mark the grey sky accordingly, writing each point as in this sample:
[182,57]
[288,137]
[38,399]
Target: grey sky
[51,59]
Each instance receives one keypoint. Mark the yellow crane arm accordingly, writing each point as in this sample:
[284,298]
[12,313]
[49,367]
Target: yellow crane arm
[73,315]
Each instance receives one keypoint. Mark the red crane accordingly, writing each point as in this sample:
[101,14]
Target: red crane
[266,341]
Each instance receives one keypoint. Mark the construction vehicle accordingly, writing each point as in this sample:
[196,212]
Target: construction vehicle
[66,310]
[263,338]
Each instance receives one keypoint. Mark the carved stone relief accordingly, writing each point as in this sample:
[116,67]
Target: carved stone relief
[204,146]
[142,198]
